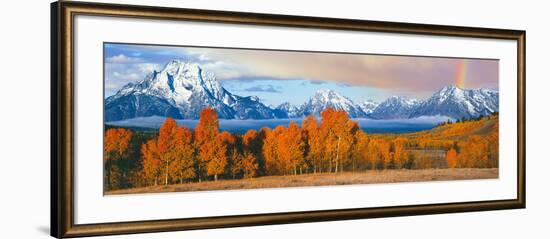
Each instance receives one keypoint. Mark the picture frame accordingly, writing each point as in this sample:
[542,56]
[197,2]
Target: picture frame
[64,122]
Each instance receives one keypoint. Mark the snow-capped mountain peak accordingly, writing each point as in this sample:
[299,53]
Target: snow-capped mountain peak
[368,106]
[395,107]
[182,89]
[291,110]
[457,103]
[450,91]
[324,99]
[330,96]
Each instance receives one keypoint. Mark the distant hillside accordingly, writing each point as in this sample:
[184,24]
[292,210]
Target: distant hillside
[461,130]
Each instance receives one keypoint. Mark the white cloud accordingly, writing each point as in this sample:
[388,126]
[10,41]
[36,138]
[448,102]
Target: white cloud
[128,76]
[146,68]
[226,70]
[123,59]
[117,74]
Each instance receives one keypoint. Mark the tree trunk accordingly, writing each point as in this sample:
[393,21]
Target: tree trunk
[215,177]
[166,177]
[199,172]
[108,175]
[337,155]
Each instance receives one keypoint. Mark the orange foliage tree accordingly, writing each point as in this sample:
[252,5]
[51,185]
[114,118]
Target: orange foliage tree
[217,152]
[231,152]
[400,155]
[379,153]
[183,165]
[167,145]
[249,165]
[474,153]
[116,148]
[361,157]
[253,143]
[205,136]
[493,147]
[291,148]
[269,150]
[451,158]
[314,143]
[151,161]
[337,130]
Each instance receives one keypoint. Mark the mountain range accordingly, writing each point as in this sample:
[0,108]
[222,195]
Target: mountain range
[182,89]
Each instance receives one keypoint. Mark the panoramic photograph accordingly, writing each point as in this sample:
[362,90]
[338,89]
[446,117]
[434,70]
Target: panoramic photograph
[187,118]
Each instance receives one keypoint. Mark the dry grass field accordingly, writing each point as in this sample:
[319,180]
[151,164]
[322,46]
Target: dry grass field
[325,179]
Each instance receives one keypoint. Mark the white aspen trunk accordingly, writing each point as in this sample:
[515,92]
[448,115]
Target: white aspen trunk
[199,172]
[337,155]
[166,177]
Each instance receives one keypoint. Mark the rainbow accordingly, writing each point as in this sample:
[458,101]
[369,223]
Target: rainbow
[461,73]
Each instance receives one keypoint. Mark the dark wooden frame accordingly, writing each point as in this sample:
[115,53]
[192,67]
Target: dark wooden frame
[62,121]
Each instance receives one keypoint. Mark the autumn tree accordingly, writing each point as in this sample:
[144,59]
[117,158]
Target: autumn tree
[232,151]
[183,165]
[474,152]
[493,147]
[360,153]
[217,151]
[291,148]
[116,148]
[273,164]
[151,161]
[400,154]
[234,156]
[451,158]
[338,131]
[253,142]
[205,135]
[235,164]
[249,165]
[167,146]
[379,153]
[314,143]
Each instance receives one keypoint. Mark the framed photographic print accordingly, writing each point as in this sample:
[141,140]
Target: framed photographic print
[174,119]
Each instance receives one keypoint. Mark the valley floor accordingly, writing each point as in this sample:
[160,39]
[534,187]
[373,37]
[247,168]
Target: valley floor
[323,179]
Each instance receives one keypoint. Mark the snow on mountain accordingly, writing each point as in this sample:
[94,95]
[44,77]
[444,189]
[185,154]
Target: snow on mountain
[181,90]
[290,110]
[324,99]
[250,107]
[458,103]
[368,106]
[395,107]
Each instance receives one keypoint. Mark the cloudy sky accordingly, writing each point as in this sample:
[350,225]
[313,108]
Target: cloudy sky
[279,76]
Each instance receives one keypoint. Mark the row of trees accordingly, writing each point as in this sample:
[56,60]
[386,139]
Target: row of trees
[335,144]
[474,152]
